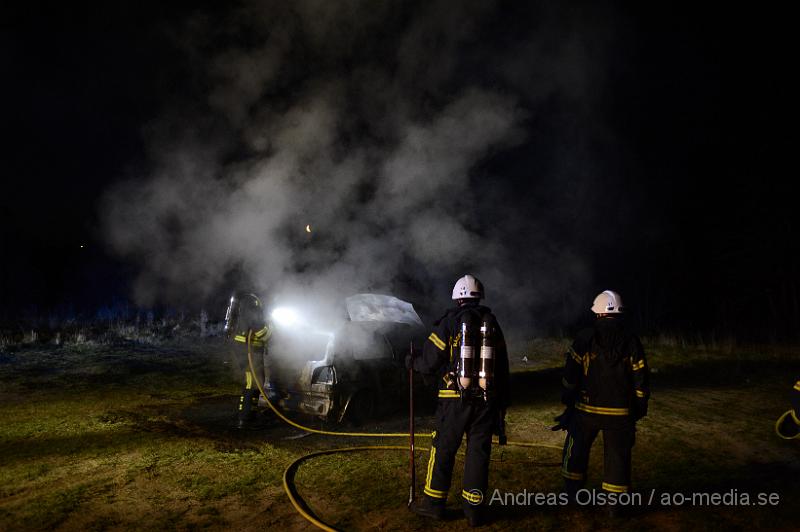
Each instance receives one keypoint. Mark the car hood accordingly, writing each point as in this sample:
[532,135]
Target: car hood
[381,308]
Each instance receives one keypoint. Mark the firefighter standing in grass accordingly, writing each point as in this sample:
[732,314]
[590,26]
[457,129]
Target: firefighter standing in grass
[605,387]
[788,425]
[246,319]
[467,353]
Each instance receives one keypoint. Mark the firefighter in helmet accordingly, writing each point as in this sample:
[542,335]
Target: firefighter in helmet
[467,353]
[605,387]
[246,323]
[788,425]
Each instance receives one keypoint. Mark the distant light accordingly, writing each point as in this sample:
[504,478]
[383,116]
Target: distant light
[308,228]
[81,246]
[285,316]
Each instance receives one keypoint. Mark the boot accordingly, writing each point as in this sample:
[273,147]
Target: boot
[571,488]
[615,511]
[428,507]
[246,420]
[475,519]
[248,403]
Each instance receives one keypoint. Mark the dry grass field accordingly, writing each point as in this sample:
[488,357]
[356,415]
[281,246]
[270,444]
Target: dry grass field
[133,436]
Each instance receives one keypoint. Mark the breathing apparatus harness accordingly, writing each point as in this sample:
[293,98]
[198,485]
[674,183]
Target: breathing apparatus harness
[474,375]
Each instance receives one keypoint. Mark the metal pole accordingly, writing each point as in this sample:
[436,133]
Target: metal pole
[412,463]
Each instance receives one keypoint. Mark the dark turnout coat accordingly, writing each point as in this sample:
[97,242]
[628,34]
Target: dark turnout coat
[606,371]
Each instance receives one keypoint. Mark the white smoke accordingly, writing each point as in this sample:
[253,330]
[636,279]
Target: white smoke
[363,120]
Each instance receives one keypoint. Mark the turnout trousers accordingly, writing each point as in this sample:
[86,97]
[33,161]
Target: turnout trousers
[618,439]
[454,418]
[248,400]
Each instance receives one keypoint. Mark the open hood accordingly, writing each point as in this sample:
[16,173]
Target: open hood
[380,308]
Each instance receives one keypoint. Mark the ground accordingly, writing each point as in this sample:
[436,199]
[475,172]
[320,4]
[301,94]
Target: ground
[123,436]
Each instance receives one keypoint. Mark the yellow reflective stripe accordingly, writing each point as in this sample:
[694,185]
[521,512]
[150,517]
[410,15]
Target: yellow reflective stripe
[263,332]
[249,378]
[449,394]
[614,488]
[435,494]
[431,461]
[243,339]
[437,341]
[575,356]
[571,476]
[607,411]
[797,386]
[567,454]
[640,393]
[638,365]
[474,498]
[794,417]
[567,385]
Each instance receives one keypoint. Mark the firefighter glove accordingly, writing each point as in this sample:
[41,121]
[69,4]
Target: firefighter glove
[563,420]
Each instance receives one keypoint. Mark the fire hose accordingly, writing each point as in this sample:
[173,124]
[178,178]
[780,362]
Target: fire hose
[291,470]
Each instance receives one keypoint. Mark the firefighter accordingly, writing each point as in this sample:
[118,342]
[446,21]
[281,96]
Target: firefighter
[467,353]
[246,319]
[605,388]
[788,425]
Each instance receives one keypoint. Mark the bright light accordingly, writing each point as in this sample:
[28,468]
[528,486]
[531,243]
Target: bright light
[285,316]
[308,228]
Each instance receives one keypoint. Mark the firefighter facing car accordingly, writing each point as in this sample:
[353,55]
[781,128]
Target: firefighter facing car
[246,322]
[605,387]
[788,425]
[467,353]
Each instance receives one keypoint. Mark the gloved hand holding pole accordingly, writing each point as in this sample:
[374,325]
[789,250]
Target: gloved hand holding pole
[563,419]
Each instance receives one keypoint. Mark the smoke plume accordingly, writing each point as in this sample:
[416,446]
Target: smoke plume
[386,130]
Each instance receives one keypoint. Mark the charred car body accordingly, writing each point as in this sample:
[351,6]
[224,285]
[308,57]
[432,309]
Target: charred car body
[351,373]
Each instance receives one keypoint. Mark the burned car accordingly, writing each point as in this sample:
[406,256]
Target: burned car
[353,372]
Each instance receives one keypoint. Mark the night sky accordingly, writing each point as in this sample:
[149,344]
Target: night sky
[659,160]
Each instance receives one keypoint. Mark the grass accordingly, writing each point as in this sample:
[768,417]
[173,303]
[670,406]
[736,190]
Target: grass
[97,437]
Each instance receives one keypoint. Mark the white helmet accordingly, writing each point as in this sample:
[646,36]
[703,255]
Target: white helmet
[607,302]
[468,287]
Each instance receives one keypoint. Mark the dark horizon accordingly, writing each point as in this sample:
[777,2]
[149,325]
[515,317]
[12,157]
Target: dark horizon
[639,149]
